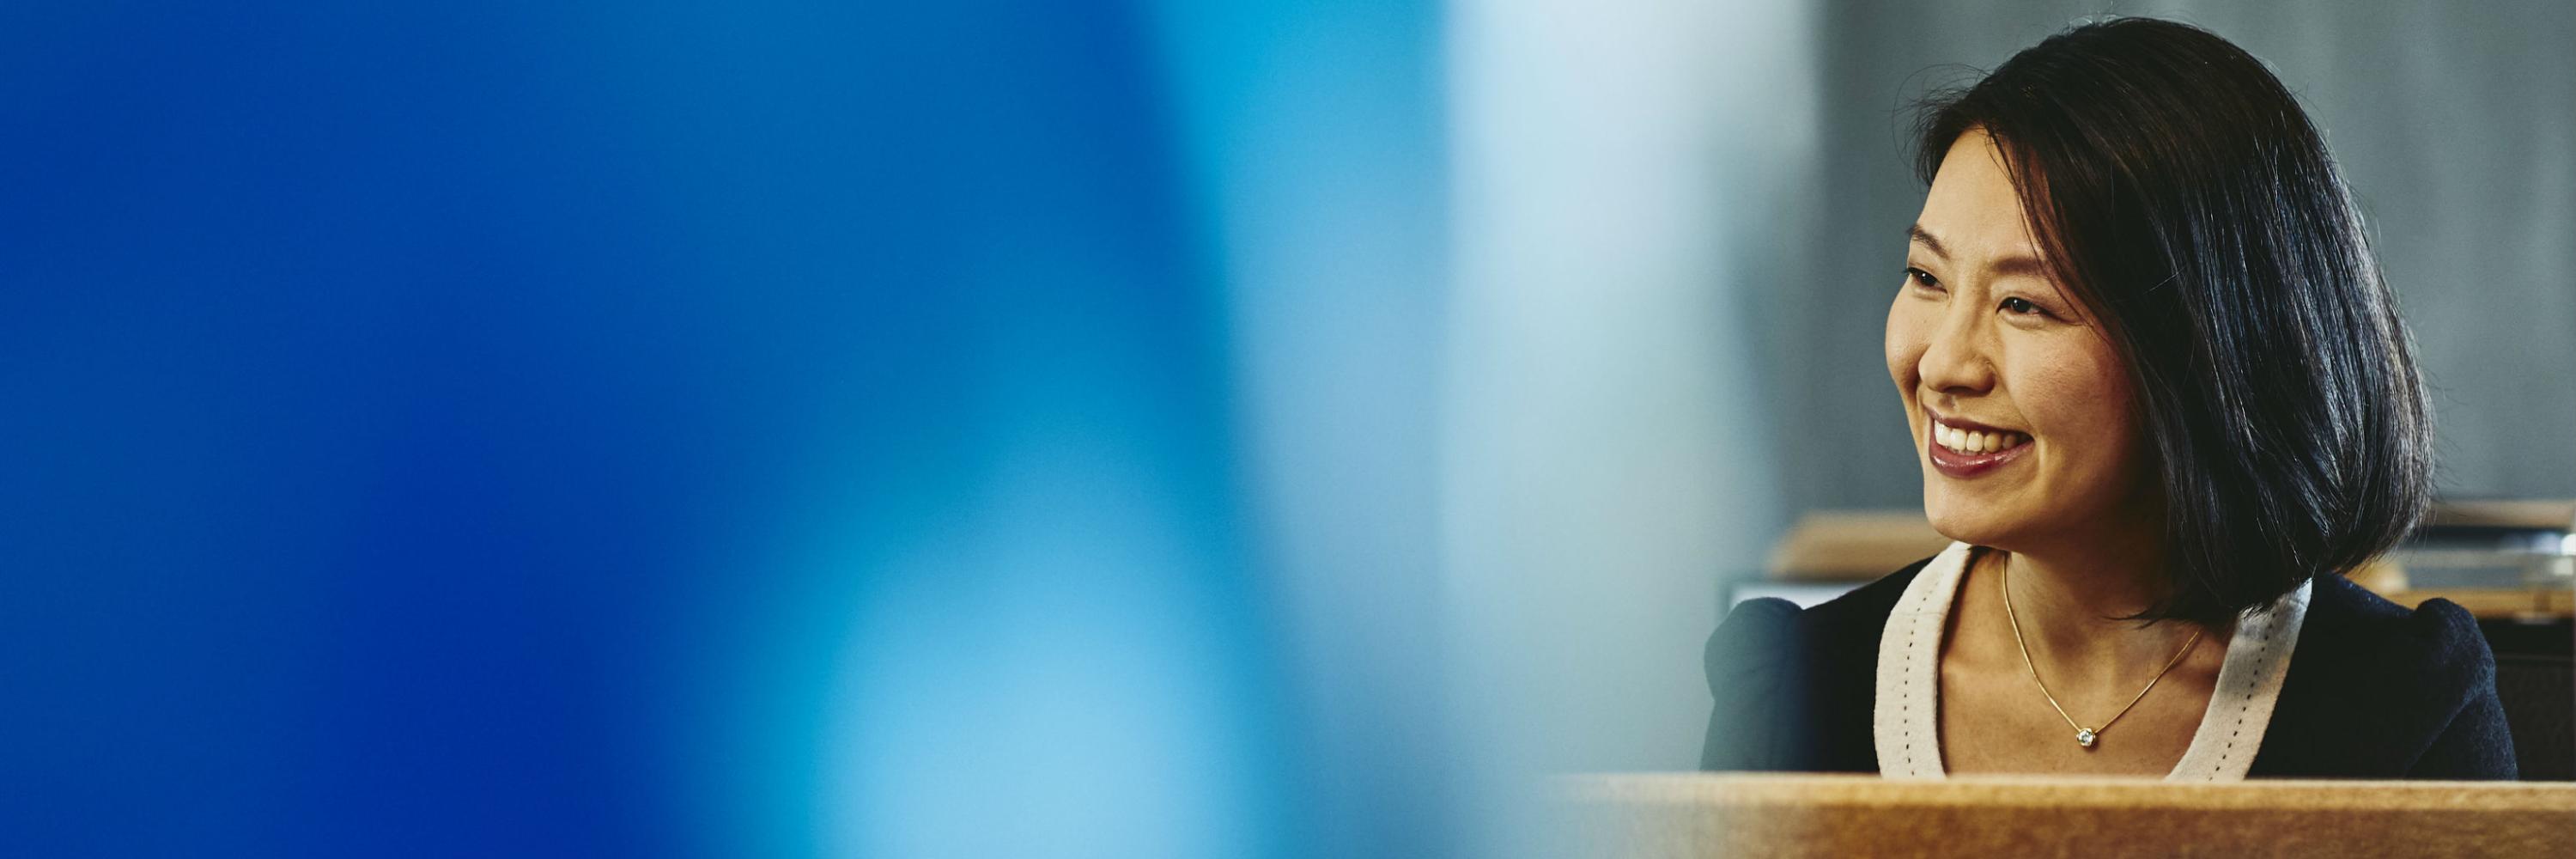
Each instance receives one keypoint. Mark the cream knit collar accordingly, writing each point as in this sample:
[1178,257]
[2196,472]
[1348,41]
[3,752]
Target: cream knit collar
[1905,716]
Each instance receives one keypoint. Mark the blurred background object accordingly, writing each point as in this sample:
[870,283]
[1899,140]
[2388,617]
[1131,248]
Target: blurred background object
[1165,429]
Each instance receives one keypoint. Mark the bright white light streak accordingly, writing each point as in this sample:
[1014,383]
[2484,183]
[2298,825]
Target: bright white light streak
[1624,172]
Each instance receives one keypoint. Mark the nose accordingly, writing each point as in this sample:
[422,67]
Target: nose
[1959,360]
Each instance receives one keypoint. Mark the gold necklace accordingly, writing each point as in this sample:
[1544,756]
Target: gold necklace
[2084,736]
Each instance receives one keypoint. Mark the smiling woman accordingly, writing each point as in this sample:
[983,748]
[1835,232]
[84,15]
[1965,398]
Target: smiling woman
[2162,404]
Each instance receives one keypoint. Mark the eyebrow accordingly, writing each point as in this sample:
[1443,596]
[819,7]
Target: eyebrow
[2018,264]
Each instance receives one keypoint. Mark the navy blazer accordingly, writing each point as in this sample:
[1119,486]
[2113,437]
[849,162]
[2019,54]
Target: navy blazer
[2374,690]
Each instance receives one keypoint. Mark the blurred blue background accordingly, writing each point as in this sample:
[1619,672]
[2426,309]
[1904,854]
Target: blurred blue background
[996,429]
[682,429]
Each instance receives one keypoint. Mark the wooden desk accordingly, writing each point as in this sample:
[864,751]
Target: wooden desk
[1760,815]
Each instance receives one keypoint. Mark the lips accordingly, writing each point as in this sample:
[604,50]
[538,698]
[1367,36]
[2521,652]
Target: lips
[1963,449]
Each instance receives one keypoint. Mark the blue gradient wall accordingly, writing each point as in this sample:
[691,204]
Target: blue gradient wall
[687,429]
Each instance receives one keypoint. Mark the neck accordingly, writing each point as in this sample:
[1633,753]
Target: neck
[2066,599]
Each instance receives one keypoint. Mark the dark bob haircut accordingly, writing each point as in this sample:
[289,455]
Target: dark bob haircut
[2177,190]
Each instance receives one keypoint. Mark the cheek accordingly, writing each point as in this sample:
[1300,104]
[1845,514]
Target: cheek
[2081,398]
[1905,344]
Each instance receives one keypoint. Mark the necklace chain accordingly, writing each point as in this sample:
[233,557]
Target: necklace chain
[2083,735]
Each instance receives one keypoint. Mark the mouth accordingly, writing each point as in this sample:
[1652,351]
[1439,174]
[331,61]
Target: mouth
[1964,449]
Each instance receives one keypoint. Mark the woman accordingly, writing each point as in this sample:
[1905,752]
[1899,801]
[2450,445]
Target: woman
[2162,403]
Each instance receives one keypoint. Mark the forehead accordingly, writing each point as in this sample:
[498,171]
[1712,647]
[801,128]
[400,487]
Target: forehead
[1972,207]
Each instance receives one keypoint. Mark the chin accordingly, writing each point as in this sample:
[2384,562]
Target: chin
[1963,522]
[1965,532]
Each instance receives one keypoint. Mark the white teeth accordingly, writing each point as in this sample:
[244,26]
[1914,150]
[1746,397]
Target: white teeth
[1964,441]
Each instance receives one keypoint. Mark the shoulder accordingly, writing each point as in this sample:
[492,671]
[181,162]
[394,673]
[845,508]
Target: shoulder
[2436,646]
[1777,627]
[2379,690]
[1792,686]
[2362,647]
[1867,606]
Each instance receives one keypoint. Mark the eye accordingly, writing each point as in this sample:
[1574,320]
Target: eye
[1921,278]
[2022,306]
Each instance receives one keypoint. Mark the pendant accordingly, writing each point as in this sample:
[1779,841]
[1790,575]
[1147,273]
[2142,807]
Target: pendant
[2084,737]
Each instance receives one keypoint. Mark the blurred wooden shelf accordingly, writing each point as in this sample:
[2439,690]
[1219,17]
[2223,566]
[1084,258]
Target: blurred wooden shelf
[2529,514]
[1749,815]
[1839,549]
[2491,604]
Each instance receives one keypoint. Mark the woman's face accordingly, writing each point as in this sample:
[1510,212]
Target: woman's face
[2024,419]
